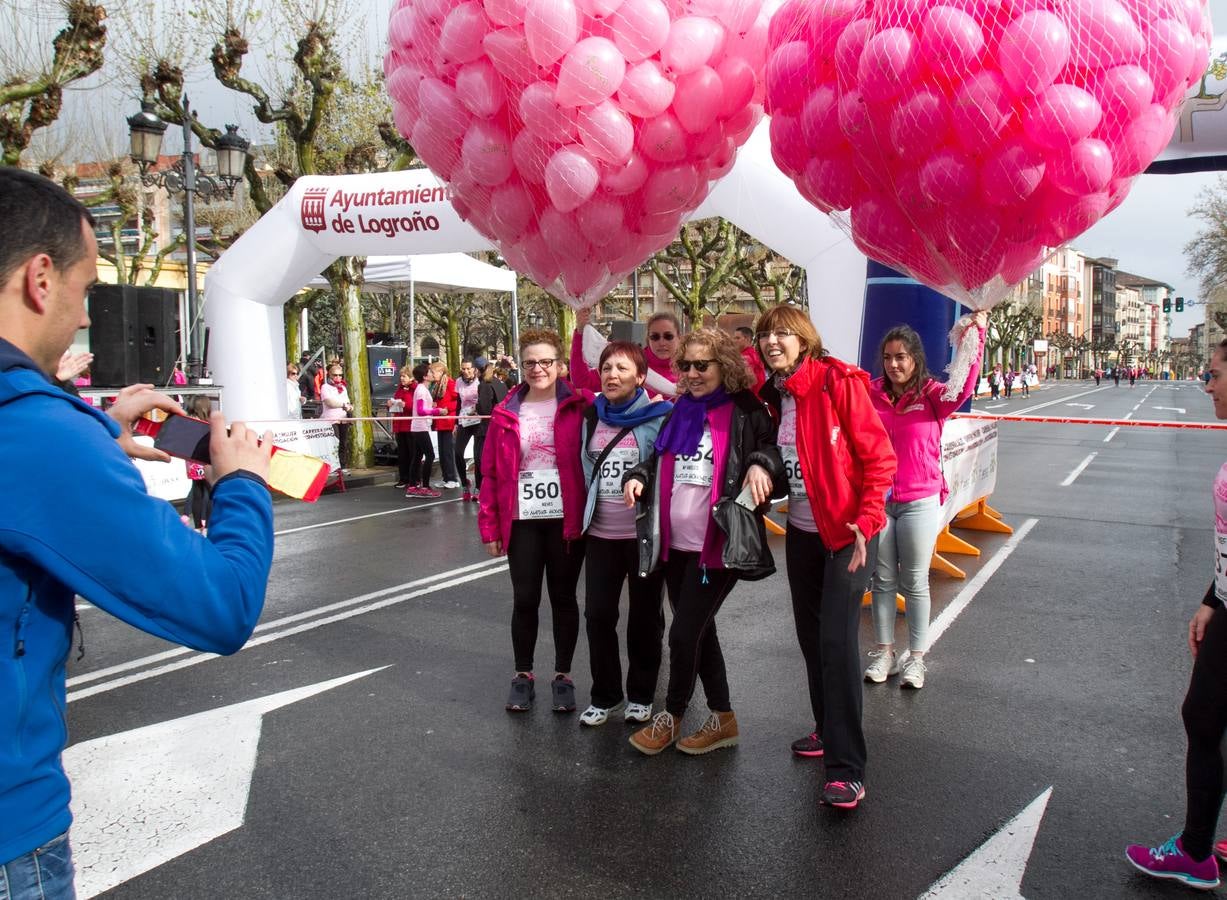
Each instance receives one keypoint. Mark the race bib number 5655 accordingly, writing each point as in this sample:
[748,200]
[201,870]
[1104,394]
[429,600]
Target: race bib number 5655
[540,494]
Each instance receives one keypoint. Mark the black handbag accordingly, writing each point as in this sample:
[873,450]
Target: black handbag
[745,544]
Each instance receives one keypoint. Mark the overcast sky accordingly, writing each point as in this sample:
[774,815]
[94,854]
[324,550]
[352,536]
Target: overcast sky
[1147,233]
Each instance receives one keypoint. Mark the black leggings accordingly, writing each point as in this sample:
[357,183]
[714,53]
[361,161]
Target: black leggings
[463,436]
[421,458]
[826,608]
[1205,723]
[608,565]
[538,549]
[695,595]
[479,443]
[404,455]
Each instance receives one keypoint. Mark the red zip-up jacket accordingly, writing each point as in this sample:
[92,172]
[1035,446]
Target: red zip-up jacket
[500,465]
[847,462]
[449,400]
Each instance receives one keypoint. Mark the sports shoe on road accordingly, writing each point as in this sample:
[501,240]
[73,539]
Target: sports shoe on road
[1220,850]
[564,694]
[843,794]
[467,497]
[413,491]
[912,672]
[638,712]
[720,730]
[598,715]
[522,692]
[451,484]
[1170,861]
[884,664]
[474,498]
[663,731]
[809,746]
[401,484]
[428,492]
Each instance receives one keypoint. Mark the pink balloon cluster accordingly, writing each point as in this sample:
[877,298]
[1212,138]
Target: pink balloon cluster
[577,134]
[968,137]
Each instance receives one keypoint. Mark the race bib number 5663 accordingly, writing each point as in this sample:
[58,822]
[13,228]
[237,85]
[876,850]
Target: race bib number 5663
[540,494]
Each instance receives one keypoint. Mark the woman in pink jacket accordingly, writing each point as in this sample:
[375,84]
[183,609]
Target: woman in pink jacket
[532,509]
[912,408]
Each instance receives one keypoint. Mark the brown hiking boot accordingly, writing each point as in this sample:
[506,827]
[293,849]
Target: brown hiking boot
[663,731]
[720,730]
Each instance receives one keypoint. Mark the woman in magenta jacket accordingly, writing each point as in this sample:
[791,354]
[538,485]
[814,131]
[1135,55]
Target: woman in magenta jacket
[913,408]
[532,508]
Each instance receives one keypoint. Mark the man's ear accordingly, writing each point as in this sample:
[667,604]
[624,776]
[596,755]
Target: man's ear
[37,281]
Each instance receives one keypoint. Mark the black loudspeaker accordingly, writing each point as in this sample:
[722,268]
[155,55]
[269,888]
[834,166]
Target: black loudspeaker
[133,334]
[626,330]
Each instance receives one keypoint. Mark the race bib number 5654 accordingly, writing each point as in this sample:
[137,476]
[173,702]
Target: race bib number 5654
[540,494]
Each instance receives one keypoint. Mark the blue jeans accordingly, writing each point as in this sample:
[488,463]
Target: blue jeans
[45,874]
[904,554]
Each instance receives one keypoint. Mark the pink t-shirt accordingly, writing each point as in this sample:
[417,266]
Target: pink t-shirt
[800,513]
[537,434]
[612,519]
[690,501]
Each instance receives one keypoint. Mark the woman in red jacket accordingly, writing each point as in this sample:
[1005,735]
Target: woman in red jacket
[532,508]
[839,464]
[444,392]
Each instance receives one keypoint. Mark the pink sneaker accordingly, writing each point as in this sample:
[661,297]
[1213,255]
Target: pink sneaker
[1170,861]
[413,491]
[1220,850]
[428,492]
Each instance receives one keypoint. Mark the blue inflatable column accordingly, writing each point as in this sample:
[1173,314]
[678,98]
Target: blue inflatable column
[892,298]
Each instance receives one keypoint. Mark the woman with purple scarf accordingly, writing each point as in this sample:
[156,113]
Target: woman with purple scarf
[701,501]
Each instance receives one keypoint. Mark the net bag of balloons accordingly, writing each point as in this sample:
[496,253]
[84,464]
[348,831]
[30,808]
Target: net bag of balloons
[962,141]
[577,134]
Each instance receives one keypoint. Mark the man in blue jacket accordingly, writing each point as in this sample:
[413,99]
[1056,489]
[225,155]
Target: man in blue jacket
[75,519]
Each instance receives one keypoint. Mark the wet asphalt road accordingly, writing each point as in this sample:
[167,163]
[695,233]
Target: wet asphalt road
[1066,670]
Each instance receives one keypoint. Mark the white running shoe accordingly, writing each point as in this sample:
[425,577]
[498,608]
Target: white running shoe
[597,715]
[638,712]
[884,664]
[912,672]
[451,484]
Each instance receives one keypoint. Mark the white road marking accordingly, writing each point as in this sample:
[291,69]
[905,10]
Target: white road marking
[1128,415]
[1083,405]
[997,868]
[996,406]
[1179,409]
[964,597]
[474,572]
[1023,412]
[386,512]
[1069,479]
[1111,434]
[143,797]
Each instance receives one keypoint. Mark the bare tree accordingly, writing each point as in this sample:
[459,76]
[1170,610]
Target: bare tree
[1207,252]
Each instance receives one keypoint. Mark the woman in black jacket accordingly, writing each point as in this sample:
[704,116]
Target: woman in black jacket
[715,449]
[490,393]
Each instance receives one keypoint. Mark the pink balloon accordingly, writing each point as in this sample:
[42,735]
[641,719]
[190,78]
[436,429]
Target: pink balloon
[542,263]
[513,210]
[980,111]
[400,28]
[543,116]
[919,124]
[530,153]
[626,179]
[738,80]
[881,230]
[606,132]
[888,65]
[438,149]
[700,147]
[442,109]
[504,12]
[552,28]
[1062,115]
[618,241]
[599,9]
[952,42]
[832,179]
[948,177]
[433,10]
[580,277]
[1170,54]
[1105,33]
[1011,174]
[697,101]
[788,76]
[479,88]
[403,86]
[825,22]
[639,28]
[1084,168]
[562,233]
[819,119]
[660,224]
[662,139]
[600,221]
[571,177]
[669,190]
[790,23]
[1141,141]
[463,31]
[508,52]
[645,91]
[404,118]
[788,146]
[591,71]
[1123,92]
[1034,48]
[721,161]
[693,41]
[486,153]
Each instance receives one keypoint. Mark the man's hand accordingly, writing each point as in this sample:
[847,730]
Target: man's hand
[130,404]
[759,483]
[72,364]
[860,554]
[1197,627]
[240,449]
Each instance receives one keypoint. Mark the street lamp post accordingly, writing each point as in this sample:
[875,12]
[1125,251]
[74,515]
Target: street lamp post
[146,131]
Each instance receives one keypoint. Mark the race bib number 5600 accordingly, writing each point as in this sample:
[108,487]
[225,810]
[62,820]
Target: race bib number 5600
[540,493]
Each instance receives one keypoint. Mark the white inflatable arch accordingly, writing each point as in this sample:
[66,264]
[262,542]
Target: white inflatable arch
[322,218]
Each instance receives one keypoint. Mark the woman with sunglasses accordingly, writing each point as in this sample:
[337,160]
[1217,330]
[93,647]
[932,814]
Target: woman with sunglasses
[531,508]
[335,407]
[664,332]
[619,431]
[912,407]
[839,465]
[717,443]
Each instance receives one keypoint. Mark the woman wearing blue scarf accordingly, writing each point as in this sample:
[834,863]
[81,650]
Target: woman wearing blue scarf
[619,431]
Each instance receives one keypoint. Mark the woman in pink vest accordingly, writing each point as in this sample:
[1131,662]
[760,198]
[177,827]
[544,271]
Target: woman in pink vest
[913,408]
[532,509]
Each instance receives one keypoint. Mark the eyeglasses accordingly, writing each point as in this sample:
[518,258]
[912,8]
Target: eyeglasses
[779,334]
[667,336]
[700,365]
[336,375]
[538,363]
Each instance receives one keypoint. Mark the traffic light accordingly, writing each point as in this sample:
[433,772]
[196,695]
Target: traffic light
[1167,304]
[1179,304]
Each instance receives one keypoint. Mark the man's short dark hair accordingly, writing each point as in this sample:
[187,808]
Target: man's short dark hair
[746,330]
[39,216]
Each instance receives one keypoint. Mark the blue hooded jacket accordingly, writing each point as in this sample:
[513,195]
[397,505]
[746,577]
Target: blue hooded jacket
[75,519]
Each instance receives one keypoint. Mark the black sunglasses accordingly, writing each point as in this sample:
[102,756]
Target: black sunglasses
[667,336]
[700,365]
